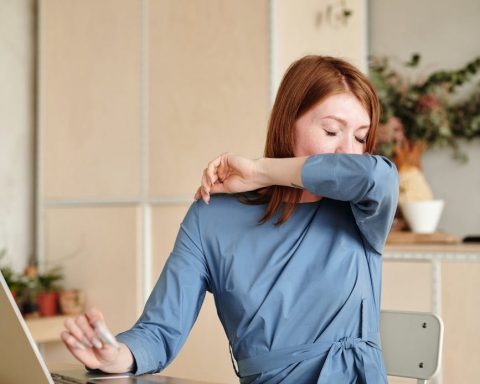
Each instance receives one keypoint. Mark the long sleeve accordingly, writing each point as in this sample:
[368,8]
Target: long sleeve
[368,182]
[174,303]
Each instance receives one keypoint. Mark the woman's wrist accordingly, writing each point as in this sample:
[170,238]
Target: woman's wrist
[262,172]
[124,362]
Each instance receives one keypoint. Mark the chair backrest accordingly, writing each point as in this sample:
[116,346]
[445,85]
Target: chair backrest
[411,343]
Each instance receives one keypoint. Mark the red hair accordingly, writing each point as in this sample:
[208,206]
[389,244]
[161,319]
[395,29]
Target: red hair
[307,82]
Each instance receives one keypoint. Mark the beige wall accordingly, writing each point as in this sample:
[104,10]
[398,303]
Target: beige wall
[306,27]
[90,91]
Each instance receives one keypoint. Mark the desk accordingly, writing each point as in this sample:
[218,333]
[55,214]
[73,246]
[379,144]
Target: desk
[167,379]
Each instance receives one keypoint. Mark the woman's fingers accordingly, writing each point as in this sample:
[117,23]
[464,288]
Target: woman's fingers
[205,187]
[220,176]
[79,351]
[94,314]
[75,330]
[214,167]
[72,341]
[88,330]
[89,340]
[212,176]
[198,194]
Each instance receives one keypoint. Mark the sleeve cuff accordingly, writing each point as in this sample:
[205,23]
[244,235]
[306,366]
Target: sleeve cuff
[143,361]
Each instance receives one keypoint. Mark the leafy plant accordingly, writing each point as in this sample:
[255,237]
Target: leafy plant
[15,282]
[424,110]
[49,281]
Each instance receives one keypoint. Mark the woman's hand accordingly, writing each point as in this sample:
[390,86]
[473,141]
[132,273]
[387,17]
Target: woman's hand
[86,337]
[229,173]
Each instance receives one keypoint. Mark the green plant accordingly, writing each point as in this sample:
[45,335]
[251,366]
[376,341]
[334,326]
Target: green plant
[15,282]
[49,280]
[425,110]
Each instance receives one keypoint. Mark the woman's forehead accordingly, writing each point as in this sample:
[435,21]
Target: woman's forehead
[343,108]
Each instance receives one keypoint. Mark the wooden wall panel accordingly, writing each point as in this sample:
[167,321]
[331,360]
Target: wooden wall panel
[306,27]
[461,314]
[90,92]
[98,250]
[407,286]
[209,87]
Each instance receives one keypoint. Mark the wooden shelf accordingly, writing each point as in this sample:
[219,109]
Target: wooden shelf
[46,329]
[453,248]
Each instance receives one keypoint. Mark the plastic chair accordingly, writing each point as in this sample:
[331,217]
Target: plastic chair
[411,344]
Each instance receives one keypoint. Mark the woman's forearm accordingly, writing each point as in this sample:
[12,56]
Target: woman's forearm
[282,171]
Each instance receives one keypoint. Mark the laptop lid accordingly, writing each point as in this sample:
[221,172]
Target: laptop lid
[20,359]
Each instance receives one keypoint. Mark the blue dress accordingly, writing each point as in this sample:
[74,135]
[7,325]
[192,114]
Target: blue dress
[299,302]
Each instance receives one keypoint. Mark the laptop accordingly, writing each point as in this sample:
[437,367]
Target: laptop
[22,363]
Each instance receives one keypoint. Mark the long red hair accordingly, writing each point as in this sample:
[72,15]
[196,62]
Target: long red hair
[306,83]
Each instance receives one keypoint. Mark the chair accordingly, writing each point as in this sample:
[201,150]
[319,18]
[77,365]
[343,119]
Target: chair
[411,344]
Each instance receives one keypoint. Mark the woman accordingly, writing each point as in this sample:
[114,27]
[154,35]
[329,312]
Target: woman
[290,246]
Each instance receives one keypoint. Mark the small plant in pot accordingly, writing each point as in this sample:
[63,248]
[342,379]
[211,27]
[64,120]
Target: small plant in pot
[10,279]
[72,302]
[15,282]
[47,291]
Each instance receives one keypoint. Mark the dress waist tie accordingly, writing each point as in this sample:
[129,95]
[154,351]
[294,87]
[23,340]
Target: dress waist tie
[331,371]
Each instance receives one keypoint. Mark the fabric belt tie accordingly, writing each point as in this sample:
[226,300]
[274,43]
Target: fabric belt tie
[333,369]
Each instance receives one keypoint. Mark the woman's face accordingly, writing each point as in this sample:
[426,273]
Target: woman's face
[338,124]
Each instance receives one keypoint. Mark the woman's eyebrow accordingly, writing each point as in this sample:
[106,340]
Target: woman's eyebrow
[343,122]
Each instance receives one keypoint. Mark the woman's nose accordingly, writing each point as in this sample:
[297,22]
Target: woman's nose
[345,145]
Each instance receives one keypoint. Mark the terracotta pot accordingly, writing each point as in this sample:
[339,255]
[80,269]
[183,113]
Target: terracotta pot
[72,302]
[47,303]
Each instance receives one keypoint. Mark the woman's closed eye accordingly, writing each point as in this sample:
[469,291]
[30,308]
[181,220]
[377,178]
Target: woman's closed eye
[332,133]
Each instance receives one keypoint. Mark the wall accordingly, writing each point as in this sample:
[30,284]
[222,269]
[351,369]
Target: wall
[16,129]
[304,27]
[446,35]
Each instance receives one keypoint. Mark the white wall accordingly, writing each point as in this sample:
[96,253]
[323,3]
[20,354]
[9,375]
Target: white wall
[16,129]
[446,34]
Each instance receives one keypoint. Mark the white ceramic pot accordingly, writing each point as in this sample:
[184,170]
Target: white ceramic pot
[422,215]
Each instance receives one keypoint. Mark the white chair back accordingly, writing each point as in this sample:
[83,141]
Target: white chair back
[411,344]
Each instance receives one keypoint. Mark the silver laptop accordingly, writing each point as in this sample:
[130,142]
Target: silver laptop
[22,363]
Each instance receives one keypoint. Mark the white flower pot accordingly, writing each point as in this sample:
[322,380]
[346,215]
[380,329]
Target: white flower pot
[422,215]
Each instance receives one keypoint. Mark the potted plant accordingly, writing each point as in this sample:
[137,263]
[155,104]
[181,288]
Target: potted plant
[47,291]
[10,277]
[72,302]
[15,282]
[417,115]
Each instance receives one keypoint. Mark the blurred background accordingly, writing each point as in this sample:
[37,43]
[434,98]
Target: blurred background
[110,110]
